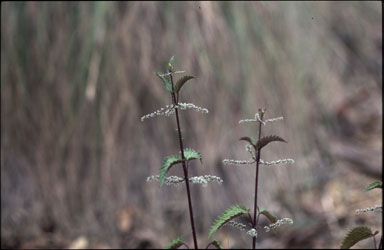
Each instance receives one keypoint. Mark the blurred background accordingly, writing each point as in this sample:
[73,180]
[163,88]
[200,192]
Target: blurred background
[76,77]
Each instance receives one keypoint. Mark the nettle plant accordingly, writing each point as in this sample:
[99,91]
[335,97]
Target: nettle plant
[360,233]
[254,148]
[186,154]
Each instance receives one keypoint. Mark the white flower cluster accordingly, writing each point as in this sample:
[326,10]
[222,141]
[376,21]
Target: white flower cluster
[376,208]
[249,148]
[170,109]
[153,177]
[283,161]
[171,180]
[258,119]
[176,72]
[252,233]
[184,106]
[167,111]
[248,120]
[278,224]
[205,179]
[198,180]
[237,225]
[274,119]
[210,178]
[238,162]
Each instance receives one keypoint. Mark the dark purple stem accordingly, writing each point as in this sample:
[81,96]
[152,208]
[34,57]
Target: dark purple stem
[256,184]
[175,102]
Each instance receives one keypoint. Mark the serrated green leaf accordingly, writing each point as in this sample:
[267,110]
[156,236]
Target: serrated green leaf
[217,244]
[167,163]
[181,82]
[171,160]
[191,154]
[355,235]
[267,214]
[375,184]
[267,139]
[228,215]
[176,243]
[166,81]
[170,62]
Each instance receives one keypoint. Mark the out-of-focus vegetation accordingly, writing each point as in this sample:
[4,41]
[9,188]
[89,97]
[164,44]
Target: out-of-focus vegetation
[76,77]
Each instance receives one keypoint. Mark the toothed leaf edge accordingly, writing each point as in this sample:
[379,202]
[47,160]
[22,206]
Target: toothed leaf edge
[167,163]
[267,139]
[229,214]
[171,160]
[355,235]
[176,243]
[375,184]
[217,244]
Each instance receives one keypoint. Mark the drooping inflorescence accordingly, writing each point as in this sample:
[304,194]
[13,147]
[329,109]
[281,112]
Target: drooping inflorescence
[167,111]
[170,180]
[258,119]
[376,208]
[184,106]
[278,162]
[237,225]
[238,162]
[278,224]
[170,109]
[174,180]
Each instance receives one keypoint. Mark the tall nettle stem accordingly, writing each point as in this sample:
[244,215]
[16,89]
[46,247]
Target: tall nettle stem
[175,102]
[256,183]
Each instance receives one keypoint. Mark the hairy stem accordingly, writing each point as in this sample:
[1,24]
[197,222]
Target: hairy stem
[256,185]
[175,102]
